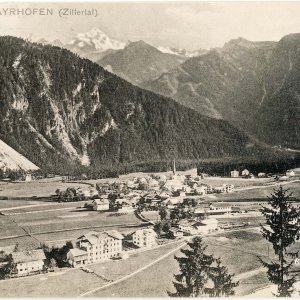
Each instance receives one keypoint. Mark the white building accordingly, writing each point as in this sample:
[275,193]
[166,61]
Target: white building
[124,205]
[28,262]
[245,173]
[28,177]
[234,174]
[262,175]
[290,173]
[219,208]
[188,227]
[144,238]
[229,188]
[100,204]
[101,246]
[77,257]
[201,190]
[198,227]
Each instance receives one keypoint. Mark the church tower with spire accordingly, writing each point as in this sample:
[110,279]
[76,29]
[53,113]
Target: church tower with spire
[174,170]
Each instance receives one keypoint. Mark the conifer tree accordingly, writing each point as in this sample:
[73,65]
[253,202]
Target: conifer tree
[197,269]
[281,231]
[222,281]
[194,267]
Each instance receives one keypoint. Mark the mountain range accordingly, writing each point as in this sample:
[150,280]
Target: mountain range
[140,62]
[95,44]
[60,111]
[253,85]
[137,62]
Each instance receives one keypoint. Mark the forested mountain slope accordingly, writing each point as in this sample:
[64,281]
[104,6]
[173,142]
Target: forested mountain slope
[60,110]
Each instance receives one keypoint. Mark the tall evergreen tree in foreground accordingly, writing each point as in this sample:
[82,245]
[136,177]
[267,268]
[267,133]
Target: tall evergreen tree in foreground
[222,281]
[197,270]
[281,231]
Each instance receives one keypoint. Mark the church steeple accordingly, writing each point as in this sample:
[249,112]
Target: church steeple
[174,170]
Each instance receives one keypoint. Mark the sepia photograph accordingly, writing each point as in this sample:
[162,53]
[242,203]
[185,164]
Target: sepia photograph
[149,149]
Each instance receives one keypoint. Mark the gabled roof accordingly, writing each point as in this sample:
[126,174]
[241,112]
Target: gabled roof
[147,231]
[27,256]
[115,234]
[77,252]
[93,237]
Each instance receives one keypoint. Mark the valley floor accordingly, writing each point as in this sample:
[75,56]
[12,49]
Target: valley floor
[145,274]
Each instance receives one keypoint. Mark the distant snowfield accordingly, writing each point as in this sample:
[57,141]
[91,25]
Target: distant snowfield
[12,160]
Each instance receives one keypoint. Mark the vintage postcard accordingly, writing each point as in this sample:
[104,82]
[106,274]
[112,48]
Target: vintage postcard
[149,149]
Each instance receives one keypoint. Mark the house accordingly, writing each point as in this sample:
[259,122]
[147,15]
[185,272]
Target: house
[188,227]
[290,173]
[131,184]
[219,189]
[245,173]
[209,189]
[201,210]
[100,204]
[153,183]
[101,246]
[219,208]
[234,174]
[213,209]
[28,177]
[201,190]
[283,178]
[77,257]
[172,202]
[262,175]
[229,188]
[144,238]
[173,185]
[124,205]
[187,189]
[85,193]
[164,195]
[175,233]
[28,262]
[198,227]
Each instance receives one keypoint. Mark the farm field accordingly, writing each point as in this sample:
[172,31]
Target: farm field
[6,204]
[237,182]
[35,188]
[42,207]
[65,283]
[63,224]
[255,194]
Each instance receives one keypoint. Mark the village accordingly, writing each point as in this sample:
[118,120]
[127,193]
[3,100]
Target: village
[171,207]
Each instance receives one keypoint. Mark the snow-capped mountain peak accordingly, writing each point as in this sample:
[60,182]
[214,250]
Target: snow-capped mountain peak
[96,40]
[181,52]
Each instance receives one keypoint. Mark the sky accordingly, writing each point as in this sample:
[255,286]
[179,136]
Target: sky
[189,25]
